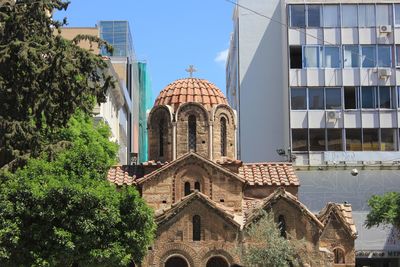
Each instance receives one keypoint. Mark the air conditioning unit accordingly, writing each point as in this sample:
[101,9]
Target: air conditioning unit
[332,115]
[385,29]
[385,73]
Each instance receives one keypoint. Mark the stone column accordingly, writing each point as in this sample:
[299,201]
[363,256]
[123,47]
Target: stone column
[173,140]
[210,141]
[235,143]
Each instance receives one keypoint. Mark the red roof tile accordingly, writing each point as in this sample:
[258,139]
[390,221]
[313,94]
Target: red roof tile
[190,90]
[120,177]
[269,174]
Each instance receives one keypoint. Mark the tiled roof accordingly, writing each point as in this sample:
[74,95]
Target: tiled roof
[190,90]
[154,163]
[248,205]
[119,176]
[343,212]
[269,174]
[271,199]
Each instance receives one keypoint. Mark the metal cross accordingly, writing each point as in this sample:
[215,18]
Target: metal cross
[191,69]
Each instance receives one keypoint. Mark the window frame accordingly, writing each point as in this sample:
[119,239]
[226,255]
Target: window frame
[320,56]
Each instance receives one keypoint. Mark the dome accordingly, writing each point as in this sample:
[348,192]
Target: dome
[191,90]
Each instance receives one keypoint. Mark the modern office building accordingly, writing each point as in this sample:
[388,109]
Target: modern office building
[123,58]
[146,103]
[122,119]
[325,80]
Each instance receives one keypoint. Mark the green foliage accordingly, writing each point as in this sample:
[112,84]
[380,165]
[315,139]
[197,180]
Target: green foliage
[43,79]
[266,246]
[63,212]
[385,209]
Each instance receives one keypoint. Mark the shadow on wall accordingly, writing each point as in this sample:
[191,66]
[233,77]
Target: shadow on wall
[261,91]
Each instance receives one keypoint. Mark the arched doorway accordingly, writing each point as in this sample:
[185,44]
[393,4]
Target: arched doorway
[217,262]
[176,261]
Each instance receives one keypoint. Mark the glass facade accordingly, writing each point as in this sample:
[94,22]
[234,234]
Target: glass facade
[117,34]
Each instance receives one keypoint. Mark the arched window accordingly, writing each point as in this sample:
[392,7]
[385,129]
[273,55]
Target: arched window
[161,138]
[187,188]
[282,225]
[339,255]
[196,227]
[197,186]
[192,133]
[223,136]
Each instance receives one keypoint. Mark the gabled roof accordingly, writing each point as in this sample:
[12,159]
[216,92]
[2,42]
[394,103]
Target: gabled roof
[168,214]
[187,157]
[282,194]
[343,212]
[269,173]
[118,176]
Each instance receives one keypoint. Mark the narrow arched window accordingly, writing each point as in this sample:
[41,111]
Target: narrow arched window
[161,138]
[223,136]
[197,186]
[187,188]
[192,133]
[196,228]
[282,225]
[339,255]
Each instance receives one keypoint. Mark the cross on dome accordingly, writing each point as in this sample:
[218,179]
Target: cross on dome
[191,69]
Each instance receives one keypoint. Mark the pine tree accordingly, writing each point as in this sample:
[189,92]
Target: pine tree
[43,79]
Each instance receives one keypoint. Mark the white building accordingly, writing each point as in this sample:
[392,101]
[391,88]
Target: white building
[327,82]
[325,78]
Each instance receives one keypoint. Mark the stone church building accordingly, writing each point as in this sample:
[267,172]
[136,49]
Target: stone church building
[204,199]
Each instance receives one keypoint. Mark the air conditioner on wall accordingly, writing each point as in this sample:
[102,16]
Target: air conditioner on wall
[332,115]
[385,73]
[385,29]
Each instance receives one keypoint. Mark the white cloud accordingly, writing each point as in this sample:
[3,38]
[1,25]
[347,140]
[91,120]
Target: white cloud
[222,56]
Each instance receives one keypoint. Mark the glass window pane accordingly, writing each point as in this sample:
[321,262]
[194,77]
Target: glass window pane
[388,139]
[384,97]
[370,140]
[397,55]
[312,56]
[368,56]
[333,98]
[353,139]
[297,16]
[368,97]
[334,137]
[397,14]
[351,56]
[349,16]
[298,98]
[316,98]
[384,56]
[383,14]
[366,15]
[299,139]
[350,98]
[317,139]
[331,16]
[332,57]
[314,15]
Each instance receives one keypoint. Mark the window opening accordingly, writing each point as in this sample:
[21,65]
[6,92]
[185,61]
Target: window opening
[187,188]
[196,228]
[282,225]
[350,98]
[339,255]
[223,136]
[296,57]
[197,186]
[192,133]
[161,138]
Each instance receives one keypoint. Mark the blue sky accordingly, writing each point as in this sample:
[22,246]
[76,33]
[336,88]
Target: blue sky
[169,35]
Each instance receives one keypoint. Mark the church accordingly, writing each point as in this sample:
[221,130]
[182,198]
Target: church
[204,198]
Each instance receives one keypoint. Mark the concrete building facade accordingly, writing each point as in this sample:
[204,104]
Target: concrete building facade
[324,78]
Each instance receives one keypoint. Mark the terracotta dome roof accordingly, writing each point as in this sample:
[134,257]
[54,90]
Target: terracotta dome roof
[190,90]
